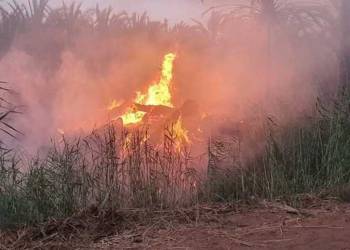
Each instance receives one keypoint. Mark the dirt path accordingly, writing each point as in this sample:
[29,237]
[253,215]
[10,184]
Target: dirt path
[272,227]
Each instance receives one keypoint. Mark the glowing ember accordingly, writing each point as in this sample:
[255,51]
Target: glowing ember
[157,94]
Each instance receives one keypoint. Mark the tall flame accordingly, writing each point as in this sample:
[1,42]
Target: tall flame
[157,94]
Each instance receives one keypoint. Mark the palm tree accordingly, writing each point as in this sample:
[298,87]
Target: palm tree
[213,27]
[8,27]
[6,110]
[295,21]
[70,18]
[106,20]
[31,15]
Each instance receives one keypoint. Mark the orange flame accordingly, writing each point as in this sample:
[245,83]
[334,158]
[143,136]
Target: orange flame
[157,94]
[181,134]
[115,104]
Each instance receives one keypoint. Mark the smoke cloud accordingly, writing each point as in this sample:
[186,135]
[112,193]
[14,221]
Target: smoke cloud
[66,74]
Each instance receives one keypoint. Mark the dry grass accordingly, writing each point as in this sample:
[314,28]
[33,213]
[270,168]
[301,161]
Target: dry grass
[109,169]
[139,227]
[94,224]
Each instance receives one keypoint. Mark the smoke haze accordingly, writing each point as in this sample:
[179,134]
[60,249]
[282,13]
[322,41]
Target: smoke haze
[66,74]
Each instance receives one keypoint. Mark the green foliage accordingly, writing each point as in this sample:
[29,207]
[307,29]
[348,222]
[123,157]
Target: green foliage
[46,190]
[105,170]
[311,157]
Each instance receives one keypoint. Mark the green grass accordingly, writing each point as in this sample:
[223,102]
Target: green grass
[94,171]
[120,170]
[310,157]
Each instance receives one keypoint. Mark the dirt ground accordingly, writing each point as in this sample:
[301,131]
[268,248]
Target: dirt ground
[271,226]
[320,225]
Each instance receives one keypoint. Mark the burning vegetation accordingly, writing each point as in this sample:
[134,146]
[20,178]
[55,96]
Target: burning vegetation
[157,95]
[155,109]
[250,101]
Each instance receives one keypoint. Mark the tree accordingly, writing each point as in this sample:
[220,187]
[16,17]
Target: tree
[280,18]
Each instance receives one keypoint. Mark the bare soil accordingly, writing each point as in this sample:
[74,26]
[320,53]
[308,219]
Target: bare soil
[271,226]
[262,225]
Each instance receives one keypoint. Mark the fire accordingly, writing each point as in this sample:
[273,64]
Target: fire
[158,94]
[181,134]
[132,116]
[115,104]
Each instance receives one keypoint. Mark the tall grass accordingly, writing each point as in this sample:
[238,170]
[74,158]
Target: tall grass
[107,169]
[123,169]
[312,156]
